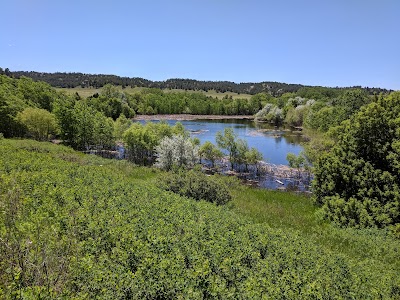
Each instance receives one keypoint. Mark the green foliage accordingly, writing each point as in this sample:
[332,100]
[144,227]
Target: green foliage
[75,226]
[241,149]
[315,108]
[70,80]
[298,162]
[155,101]
[295,161]
[112,103]
[120,126]
[39,122]
[253,156]
[341,106]
[103,132]
[238,149]
[63,109]
[258,101]
[352,100]
[82,126]
[296,115]
[83,122]
[210,152]
[10,105]
[318,93]
[141,140]
[18,94]
[227,141]
[195,184]
[195,141]
[357,182]
[318,144]
[37,94]
[270,113]
[325,118]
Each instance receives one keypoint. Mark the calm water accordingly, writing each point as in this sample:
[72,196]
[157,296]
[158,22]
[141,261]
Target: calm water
[274,143]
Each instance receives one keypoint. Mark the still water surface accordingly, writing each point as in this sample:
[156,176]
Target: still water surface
[274,143]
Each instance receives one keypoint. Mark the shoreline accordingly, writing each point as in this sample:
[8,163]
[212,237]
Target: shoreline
[188,117]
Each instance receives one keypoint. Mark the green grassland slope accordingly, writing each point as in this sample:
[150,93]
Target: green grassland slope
[81,227]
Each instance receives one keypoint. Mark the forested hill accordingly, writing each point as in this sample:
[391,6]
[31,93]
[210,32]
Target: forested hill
[71,80]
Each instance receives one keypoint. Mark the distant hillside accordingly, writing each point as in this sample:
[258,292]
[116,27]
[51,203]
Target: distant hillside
[71,80]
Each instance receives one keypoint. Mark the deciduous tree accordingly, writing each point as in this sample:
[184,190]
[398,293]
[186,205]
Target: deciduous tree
[39,122]
[210,152]
[227,141]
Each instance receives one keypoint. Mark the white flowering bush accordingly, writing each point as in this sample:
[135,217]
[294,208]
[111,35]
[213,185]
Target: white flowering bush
[270,113]
[176,151]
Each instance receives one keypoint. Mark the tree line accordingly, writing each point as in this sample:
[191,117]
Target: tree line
[71,80]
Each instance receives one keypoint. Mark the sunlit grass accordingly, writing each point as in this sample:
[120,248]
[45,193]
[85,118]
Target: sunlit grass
[291,211]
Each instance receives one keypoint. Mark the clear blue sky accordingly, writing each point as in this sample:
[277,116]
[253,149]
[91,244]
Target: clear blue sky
[315,42]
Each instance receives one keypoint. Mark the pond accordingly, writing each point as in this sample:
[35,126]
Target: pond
[274,143]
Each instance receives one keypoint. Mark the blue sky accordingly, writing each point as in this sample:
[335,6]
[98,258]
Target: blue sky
[314,42]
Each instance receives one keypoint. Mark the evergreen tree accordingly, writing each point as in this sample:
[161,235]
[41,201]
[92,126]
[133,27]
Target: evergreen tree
[357,183]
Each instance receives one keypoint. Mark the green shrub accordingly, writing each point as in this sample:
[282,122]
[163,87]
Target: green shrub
[357,182]
[196,185]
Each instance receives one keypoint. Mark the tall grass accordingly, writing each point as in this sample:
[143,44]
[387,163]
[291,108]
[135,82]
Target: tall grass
[291,211]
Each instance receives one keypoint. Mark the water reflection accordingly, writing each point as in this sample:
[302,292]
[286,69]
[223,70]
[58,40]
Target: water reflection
[273,142]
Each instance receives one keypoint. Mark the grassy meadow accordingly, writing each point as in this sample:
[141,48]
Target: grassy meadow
[292,211]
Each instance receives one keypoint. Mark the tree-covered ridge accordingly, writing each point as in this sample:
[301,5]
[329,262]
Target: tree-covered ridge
[71,80]
[75,226]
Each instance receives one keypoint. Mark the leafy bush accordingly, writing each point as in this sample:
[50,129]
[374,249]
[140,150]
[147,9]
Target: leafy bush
[357,182]
[176,151]
[39,122]
[141,140]
[196,185]
[270,113]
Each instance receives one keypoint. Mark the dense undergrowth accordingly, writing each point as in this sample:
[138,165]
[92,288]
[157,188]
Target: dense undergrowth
[75,226]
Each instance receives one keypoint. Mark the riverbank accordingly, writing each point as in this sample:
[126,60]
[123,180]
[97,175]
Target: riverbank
[188,117]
